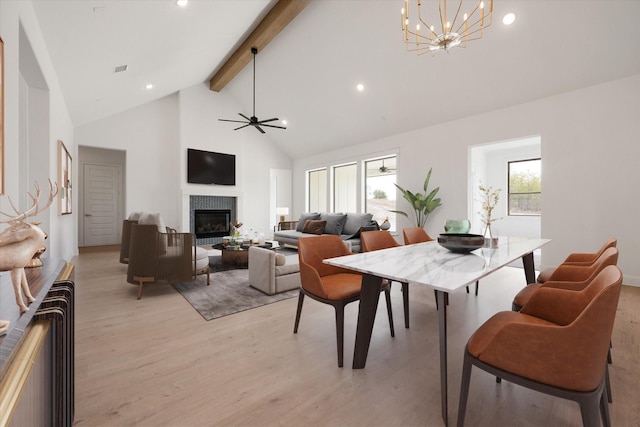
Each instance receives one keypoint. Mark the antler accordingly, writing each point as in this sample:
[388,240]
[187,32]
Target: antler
[33,210]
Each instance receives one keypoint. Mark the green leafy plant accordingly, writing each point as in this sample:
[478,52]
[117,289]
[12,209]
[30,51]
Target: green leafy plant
[421,203]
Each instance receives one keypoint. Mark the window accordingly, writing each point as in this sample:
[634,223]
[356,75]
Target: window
[345,178]
[525,187]
[380,177]
[317,191]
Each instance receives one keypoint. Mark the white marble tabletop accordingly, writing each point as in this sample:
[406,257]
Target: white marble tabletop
[432,265]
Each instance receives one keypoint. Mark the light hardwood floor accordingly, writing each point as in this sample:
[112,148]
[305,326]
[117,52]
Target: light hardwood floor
[157,362]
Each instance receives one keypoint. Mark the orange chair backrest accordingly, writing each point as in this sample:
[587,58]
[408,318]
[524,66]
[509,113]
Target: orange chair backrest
[415,235]
[311,252]
[376,240]
[576,273]
[588,258]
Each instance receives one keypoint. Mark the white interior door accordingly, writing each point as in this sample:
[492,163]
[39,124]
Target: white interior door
[101,204]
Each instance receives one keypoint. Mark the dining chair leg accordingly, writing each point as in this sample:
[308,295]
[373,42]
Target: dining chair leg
[477,284]
[300,301]
[607,384]
[405,301]
[464,391]
[387,295]
[604,408]
[340,333]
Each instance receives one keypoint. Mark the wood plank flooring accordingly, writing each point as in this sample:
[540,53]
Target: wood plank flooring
[157,362]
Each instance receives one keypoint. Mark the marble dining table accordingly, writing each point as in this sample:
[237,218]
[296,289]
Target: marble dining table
[429,264]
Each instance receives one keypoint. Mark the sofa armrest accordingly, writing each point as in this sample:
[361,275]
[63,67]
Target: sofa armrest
[262,266]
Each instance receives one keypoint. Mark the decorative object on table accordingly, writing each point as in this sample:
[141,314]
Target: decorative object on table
[283,212]
[20,241]
[489,199]
[422,203]
[457,226]
[64,177]
[440,31]
[35,259]
[385,224]
[461,242]
[235,228]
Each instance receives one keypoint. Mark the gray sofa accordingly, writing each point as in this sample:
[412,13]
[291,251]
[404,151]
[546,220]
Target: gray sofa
[346,225]
[273,273]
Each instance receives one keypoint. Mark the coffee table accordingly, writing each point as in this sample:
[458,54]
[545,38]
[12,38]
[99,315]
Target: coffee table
[237,256]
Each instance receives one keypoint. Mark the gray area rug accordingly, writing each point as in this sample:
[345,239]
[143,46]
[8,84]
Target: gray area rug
[228,293]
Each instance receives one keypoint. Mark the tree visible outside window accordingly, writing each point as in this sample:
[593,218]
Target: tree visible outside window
[525,187]
[380,199]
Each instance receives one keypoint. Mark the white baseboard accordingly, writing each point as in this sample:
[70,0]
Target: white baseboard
[631,280]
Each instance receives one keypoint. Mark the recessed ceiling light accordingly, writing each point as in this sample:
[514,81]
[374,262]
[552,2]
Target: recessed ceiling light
[284,122]
[182,3]
[509,18]
[360,87]
[149,86]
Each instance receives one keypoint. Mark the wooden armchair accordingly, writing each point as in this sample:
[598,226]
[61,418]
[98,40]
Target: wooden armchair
[159,257]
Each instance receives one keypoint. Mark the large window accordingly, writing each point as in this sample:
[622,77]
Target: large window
[525,187]
[317,191]
[345,185]
[380,177]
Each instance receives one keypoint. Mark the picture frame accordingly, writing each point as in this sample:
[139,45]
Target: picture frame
[1,116]
[65,189]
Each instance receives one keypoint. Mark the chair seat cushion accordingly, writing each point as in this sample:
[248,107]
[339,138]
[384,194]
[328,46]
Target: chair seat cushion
[342,285]
[524,295]
[281,270]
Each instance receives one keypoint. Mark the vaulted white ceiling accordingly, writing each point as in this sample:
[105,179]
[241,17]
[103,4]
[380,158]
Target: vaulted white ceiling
[308,73]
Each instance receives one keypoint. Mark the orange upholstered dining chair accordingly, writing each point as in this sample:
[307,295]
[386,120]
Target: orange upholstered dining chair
[580,259]
[381,239]
[415,235]
[330,284]
[557,344]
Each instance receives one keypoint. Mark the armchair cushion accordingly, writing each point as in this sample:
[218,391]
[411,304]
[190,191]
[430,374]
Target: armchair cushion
[148,218]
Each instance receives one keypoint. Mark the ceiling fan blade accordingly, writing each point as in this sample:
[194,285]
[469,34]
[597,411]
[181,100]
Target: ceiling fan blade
[273,126]
[268,120]
[259,128]
[234,121]
[248,119]
[244,126]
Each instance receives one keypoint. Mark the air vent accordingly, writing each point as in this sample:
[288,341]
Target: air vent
[121,68]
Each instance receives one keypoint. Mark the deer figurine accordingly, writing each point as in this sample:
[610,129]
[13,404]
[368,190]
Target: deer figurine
[20,241]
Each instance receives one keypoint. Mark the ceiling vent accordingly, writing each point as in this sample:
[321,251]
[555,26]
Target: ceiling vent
[121,68]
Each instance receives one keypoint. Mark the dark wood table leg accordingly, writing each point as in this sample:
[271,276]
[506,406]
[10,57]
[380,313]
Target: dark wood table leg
[369,296]
[441,298]
[529,268]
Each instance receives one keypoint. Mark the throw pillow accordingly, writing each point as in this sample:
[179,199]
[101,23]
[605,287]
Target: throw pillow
[280,259]
[154,218]
[304,217]
[335,222]
[314,226]
[134,216]
[355,221]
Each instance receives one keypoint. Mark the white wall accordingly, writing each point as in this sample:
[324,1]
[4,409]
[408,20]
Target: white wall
[60,229]
[590,166]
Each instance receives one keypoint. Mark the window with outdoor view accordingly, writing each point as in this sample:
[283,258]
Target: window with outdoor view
[317,190]
[380,177]
[525,187]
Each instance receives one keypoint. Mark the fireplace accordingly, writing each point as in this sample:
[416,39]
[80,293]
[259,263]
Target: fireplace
[212,222]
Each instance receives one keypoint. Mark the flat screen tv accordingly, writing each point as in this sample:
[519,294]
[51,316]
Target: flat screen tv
[206,167]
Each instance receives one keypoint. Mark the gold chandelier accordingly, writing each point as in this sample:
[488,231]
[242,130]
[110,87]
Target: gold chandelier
[447,33]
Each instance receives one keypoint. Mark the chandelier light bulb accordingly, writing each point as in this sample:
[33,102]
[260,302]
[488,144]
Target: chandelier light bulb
[360,87]
[481,5]
[465,17]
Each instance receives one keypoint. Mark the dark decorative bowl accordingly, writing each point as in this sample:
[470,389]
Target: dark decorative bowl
[461,243]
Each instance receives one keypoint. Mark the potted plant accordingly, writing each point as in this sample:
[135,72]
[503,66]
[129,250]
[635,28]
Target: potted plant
[422,203]
[489,199]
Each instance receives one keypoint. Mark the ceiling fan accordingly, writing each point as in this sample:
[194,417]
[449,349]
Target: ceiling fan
[253,120]
[385,169]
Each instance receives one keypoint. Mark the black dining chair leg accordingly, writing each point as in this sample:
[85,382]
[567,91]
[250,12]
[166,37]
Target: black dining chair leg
[387,295]
[405,301]
[477,284]
[340,332]
[300,301]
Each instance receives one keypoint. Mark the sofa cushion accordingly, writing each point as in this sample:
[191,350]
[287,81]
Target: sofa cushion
[149,218]
[335,222]
[280,259]
[355,221]
[314,226]
[304,217]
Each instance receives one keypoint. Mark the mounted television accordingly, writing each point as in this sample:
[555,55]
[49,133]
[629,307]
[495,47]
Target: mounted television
[206,167]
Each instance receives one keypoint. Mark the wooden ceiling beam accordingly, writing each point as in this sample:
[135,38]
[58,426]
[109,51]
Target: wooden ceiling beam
[278,17]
